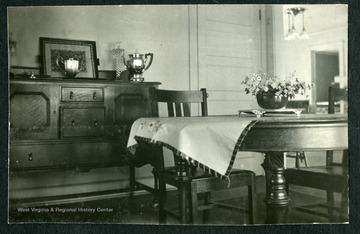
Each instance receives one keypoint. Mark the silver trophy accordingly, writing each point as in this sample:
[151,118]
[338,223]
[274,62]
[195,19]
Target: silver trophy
[136,65]
[70,67]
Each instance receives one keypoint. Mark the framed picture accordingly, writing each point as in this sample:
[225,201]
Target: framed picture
[56,52]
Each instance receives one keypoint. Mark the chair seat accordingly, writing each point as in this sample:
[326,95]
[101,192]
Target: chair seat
[321,177]
[198,173]
[206,182]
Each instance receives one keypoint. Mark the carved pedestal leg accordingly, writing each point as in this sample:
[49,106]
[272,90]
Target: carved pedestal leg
[277,199]
[182,170]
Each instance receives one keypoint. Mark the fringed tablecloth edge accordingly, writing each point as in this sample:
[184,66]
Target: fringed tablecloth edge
[238,145]
[181,154]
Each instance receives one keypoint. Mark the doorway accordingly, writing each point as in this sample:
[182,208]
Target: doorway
[328,64]
[326,67]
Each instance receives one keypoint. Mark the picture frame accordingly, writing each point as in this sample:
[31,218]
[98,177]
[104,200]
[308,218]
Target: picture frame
[54,48]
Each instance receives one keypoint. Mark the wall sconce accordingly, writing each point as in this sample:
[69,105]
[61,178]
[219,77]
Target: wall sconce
[292,33]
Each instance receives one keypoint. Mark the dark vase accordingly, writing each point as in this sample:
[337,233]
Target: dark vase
[268,100]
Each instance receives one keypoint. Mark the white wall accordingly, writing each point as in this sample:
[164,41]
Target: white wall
[161,29]
[326,25]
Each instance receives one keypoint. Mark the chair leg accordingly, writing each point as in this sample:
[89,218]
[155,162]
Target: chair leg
[329,157]
[344,205]
[206,213]
[182,193]
[330,201]
[297,159]
[305,159]
[252,203]
[193,204]
[162,202]
[156,186]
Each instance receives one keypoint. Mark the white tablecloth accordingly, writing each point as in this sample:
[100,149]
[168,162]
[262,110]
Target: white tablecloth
[210,143]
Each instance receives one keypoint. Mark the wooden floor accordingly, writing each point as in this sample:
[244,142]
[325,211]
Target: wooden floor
[142,210]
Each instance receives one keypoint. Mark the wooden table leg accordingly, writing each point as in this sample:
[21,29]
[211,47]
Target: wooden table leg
[182,170]
[277,199]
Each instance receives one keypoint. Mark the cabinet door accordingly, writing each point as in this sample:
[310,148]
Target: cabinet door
[130,103]
[126,104]
[33,111]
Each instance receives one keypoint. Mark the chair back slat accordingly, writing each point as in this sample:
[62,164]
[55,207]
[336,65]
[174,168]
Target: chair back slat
[178,109]
[204,108]
[186,109]
[170,107]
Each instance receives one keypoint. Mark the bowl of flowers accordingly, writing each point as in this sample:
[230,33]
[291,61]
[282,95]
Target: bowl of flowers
[272,92]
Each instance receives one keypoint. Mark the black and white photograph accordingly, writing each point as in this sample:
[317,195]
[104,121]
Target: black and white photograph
[179,114]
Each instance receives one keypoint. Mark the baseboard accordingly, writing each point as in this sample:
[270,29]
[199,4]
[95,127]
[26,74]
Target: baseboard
[76,198]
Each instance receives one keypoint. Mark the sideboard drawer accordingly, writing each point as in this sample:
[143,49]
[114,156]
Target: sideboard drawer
[80,94]
[34,156]
[82,122]
[66,154]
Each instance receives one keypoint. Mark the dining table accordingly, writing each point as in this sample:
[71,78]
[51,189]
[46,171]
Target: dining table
[212,143]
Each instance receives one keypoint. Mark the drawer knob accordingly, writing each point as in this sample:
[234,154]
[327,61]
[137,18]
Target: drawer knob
[71,94]
[73,122]
[95,123]
[30,156]
[94,95]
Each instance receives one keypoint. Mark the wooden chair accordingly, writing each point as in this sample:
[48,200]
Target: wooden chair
[299,156]
[333,177]
[145,155]
[202,182]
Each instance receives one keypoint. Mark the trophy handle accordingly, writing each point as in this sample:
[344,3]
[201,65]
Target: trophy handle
[58,61]
[151,59]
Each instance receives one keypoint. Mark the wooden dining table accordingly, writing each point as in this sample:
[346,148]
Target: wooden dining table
[212,142]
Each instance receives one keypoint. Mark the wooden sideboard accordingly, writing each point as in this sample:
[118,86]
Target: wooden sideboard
[78,123]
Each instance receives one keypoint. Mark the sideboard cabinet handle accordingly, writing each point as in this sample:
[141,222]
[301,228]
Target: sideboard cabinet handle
[30,156]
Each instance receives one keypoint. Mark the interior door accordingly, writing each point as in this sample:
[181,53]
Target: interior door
[229,48]
[326,69]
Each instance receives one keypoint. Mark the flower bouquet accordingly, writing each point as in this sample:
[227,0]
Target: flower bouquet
[272,92]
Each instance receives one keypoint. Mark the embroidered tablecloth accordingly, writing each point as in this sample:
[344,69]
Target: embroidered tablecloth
[210,143]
